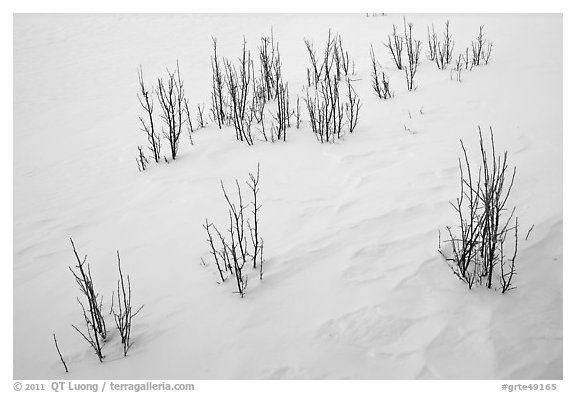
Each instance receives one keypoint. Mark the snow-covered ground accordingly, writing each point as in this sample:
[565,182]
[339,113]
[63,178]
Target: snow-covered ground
[353,285]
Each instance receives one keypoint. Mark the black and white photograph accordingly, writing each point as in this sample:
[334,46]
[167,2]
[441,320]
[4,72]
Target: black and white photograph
[288,196]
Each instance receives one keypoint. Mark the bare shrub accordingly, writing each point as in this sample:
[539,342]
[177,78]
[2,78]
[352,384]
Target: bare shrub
[325,110]
[432,43]
[481,243]
[456,72]
[92,313]
[123,317]
[444,48]
[282,113]
[380,83]
[238,83]
[327,102]
[481,48]
[375,76]
[217,95]
[255,237]
[352,106]
[413,51]
[270,86]
[243,243]
[147,102]
[170,93]
[395,46]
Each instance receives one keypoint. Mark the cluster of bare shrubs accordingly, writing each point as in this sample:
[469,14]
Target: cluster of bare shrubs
[477,54]
[440,51]
[332,103]
[256,100]
[484,247]
[250,96]
[242,243]
[396,45]
[95,332]
[240,97]
[331,114]
[271,87]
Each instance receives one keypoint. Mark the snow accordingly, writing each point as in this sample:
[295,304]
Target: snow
[353,284]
